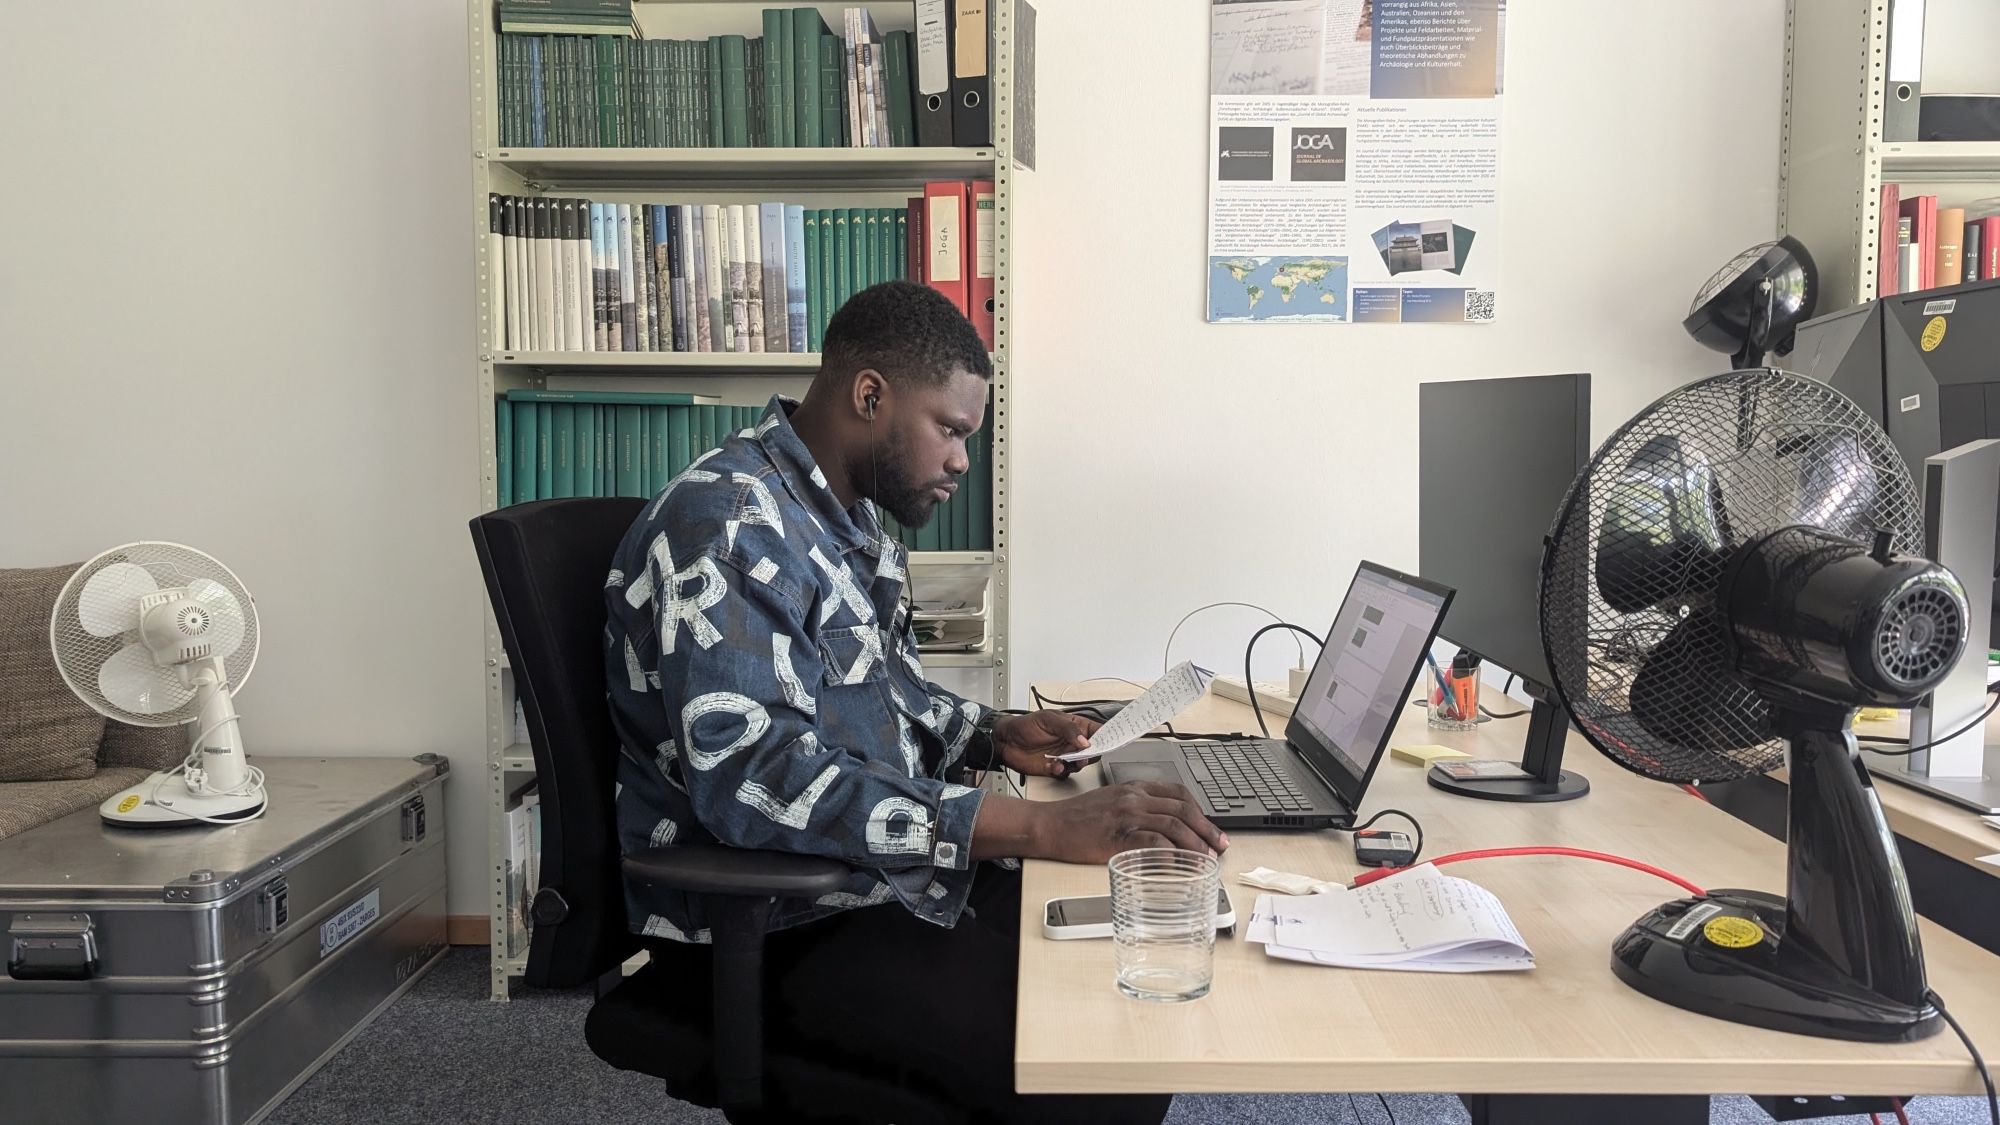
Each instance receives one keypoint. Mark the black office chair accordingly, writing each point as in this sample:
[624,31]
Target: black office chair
[545,565]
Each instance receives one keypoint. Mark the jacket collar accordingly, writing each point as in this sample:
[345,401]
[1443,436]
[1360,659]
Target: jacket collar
[851,528]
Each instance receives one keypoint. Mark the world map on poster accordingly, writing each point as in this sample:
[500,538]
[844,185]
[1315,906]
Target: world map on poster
[1245,287]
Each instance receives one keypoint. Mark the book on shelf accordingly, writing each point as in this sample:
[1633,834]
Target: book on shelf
[580,73]
[1924,246]
[763,276]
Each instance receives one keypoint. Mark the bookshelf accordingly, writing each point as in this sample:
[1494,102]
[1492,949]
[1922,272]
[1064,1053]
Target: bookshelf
[814,176]
[1834,160]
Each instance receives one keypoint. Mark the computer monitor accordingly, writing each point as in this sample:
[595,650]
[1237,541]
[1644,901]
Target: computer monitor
[1495,459]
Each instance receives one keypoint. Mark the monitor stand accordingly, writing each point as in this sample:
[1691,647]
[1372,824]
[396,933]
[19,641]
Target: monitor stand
[1548,730]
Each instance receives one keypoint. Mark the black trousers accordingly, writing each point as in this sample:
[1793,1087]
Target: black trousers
[879,990]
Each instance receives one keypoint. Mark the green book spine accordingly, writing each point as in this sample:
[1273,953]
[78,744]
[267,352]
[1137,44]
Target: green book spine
[503,454]
[503,59]
[646,452]
[630,482]
[828,267]
[607,435]
[676,111]
[678,451]
[562,450]
[566,82]
[552,91]
[735,54]
[774,76]
[660,76]
[711,426]
[586,450]
[982,491]
[783,59]
[843,256]
[586,91]
[896,72]
[545,478]
[526,446]
[885,245]
[866,227]
[806,30]
[815,305]
[832,94]
[658,423]
[609,64]
[902,264]
[712,77]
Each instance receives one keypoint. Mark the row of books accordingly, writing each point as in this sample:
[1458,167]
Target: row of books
[800,85]
[556,444]
[574,275]
[1925,246]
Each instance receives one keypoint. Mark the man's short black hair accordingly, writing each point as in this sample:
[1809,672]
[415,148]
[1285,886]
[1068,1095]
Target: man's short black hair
[911,333]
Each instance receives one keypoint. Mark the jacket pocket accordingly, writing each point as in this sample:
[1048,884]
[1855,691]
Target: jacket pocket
[852,656]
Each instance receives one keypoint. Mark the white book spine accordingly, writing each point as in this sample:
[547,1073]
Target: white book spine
[628,316]
[771,256]
[718,297]
[753,278]
[739,297]
[496,278]
[580,291]
[545,282]
[642,307]
[559,279]
[517,286]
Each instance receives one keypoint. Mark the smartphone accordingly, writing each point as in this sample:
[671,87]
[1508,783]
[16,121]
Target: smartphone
[1065,918]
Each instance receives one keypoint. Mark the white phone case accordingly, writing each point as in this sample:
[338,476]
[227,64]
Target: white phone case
[1225,920]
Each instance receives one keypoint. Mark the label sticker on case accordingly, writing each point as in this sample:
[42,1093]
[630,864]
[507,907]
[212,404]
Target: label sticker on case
[1731,932]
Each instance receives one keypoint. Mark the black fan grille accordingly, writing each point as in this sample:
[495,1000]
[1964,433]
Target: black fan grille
[1918,636]
[1693,477]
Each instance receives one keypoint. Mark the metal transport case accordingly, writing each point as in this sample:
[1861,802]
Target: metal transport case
[199,974]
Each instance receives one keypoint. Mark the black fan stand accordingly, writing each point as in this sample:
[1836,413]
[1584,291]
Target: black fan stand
[1548,730]
[1839,954]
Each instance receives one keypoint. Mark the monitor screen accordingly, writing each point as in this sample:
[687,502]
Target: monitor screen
[1495,459]
[1362,679]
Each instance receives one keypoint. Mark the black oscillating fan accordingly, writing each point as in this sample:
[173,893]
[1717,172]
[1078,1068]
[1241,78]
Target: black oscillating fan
[1727,581]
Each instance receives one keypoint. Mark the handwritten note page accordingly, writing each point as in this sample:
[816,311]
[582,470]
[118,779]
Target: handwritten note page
[1167,698]
[1417,919]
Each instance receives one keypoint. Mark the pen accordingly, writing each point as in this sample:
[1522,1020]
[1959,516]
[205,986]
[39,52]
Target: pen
[1442,695]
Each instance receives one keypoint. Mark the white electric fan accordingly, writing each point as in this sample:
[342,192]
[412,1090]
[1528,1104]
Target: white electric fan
[160,635]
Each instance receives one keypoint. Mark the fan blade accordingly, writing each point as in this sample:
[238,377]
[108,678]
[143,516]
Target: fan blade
[109,602]
[131,681]
[225,615]
[1660,541]
[1834,484]
[1688,695]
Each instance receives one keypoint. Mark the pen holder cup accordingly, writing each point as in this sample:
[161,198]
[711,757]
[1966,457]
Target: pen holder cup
[1451,698]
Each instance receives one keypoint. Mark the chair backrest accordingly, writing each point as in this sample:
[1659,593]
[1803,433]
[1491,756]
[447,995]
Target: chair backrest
[545,565]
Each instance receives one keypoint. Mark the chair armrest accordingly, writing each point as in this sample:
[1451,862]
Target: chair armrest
[713,869]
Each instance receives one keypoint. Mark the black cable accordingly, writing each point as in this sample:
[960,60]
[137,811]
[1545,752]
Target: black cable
[1994,691]
[1504,689]
[1044,701]
[1986,1076]
[1416,851]
[1249,685]
[1386,1109]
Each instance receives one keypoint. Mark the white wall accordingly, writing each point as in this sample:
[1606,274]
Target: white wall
[235,290]
[234,295]
[1639,153]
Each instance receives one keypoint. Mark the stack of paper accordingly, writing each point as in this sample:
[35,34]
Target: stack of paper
[1418,920]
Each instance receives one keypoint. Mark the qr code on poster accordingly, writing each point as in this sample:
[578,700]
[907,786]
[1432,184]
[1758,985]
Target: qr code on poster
[1478,304]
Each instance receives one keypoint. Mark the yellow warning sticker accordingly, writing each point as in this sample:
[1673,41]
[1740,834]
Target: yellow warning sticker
[130,802]
[1731,932]
[1933,334]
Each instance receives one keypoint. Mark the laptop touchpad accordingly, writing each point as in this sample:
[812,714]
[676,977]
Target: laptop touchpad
[1145,771]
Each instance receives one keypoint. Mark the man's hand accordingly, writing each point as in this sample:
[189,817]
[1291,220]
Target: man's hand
[1092,827]
[1025,743]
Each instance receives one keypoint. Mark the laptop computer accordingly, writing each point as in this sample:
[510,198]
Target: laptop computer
[1315,776]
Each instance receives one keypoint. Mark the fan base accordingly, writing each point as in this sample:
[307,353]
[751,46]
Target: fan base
[1724,955]
[163,799]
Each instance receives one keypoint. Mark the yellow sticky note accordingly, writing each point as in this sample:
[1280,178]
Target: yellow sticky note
[1424,755]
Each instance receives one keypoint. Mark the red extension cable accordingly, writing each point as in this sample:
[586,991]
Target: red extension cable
[1487,853]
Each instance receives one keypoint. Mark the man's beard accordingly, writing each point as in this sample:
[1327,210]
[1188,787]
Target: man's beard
[909,501]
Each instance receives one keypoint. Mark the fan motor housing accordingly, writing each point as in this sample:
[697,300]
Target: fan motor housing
[1818,614]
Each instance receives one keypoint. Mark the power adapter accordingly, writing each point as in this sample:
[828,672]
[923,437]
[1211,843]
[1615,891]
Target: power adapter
[1377,847]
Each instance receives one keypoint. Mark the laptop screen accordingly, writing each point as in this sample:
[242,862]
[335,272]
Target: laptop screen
[1364,674]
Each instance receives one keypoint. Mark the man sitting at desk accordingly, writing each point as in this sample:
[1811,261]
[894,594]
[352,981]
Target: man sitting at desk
[768,694]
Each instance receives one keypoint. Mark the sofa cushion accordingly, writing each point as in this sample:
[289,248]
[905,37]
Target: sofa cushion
[26,804]
[155,748]
[46,732]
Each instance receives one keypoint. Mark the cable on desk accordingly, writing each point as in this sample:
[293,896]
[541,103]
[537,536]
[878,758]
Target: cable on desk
[1986,1076]
[1580,853]
[1168,651]
[1416,851]
[1250,685]
[1693,792]
[1993,690]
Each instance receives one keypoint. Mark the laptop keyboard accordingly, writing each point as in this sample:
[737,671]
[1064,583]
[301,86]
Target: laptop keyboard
[1236,776]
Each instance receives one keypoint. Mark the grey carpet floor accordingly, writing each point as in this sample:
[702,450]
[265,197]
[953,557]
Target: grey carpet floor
[445,1054]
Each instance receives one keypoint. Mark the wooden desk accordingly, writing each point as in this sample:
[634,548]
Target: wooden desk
[1937,824]
[1566,1027]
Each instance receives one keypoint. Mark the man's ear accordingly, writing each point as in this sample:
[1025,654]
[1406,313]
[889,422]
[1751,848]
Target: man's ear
[870,388]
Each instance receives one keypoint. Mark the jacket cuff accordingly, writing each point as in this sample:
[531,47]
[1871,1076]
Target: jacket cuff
[937,893]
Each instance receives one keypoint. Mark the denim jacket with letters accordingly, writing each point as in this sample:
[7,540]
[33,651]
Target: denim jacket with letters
[768,694]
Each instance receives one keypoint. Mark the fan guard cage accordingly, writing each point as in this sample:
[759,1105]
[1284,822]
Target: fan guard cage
[1762,450]
[79,653]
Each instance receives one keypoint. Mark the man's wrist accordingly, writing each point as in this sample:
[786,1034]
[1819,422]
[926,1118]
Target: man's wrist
[1008,828]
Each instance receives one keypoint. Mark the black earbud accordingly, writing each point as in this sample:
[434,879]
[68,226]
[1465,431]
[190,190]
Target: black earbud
[871,400]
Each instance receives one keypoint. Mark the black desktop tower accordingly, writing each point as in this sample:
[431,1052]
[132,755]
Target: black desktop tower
[1925,365]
